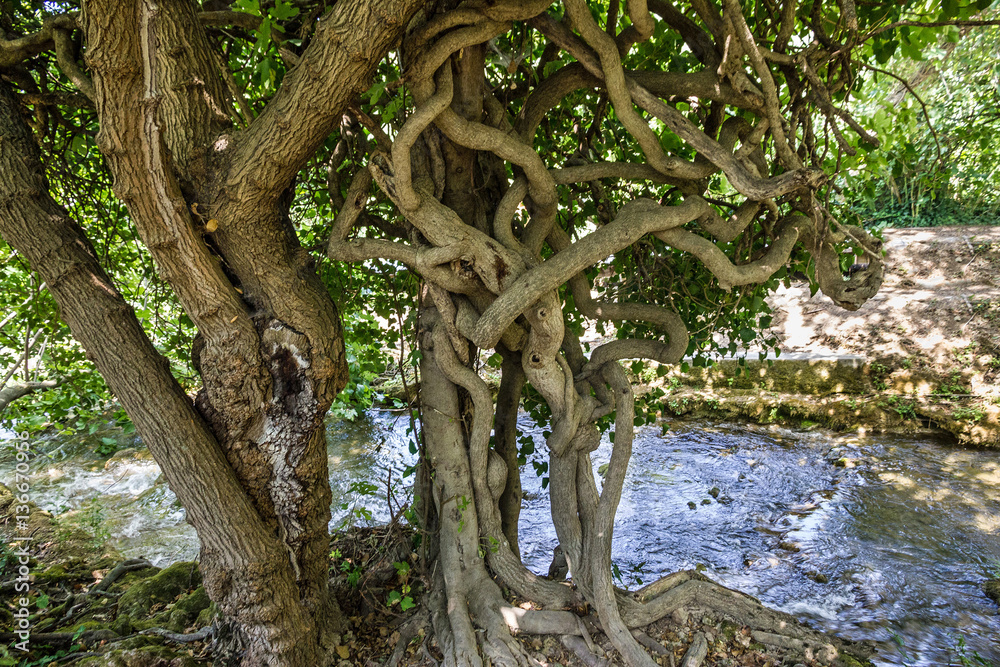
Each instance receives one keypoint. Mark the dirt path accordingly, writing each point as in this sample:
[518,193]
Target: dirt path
[938,310]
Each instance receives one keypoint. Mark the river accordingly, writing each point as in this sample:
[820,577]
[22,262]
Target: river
[884,538]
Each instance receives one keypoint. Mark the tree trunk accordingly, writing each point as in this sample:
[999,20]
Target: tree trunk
[248,460]
[251,564]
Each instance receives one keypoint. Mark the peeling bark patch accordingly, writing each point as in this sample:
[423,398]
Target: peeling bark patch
[502,270]
[286,372]
[291,418]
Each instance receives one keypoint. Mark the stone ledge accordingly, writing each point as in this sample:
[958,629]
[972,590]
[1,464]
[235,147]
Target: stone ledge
[794,373]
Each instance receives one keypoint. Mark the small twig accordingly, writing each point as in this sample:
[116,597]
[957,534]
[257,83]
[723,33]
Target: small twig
[381,138]
[931,24]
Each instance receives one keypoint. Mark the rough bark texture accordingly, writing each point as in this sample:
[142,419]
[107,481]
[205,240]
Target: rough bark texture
[235,540]
[248,461]
[490,285]
[482,226]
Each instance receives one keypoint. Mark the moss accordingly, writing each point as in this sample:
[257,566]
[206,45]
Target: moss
[161,588]
[207,615]
[123,625]
[992,589]
[55,573]
[181,614]
[150,656]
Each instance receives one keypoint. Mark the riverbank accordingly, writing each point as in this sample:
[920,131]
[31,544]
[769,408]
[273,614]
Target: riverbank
[91,607]
[908,380]
[923,355]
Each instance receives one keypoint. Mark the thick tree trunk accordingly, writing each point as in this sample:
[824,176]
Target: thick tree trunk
[249,460]
[253,563]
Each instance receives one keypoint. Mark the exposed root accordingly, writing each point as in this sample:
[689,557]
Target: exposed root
[695,655]
[585,654]
[179,637]
[650,643]
[407,632]
[542,622]
[692,591]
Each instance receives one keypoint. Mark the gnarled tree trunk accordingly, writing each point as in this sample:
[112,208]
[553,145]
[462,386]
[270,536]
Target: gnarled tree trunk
[248,458]
[492,284]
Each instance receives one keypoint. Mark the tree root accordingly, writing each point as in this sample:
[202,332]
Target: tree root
[497,623]
[181,638]
[650,643]
[407,632]
[696,652]
[690,590]
[586,655]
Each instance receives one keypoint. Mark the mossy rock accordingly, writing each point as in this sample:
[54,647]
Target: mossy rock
[123,625]
[55,573]
[207,615]
[182,613]
[129,579]
[143,657]
[992,589]
[161,588]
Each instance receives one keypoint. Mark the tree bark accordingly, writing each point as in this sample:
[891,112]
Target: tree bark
[253,579]
[211,206]
[12,392]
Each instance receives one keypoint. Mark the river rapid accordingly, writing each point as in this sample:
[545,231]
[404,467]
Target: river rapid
[884,537]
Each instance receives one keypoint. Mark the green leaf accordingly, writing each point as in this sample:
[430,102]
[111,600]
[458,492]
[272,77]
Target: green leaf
[249,6]
[284,10]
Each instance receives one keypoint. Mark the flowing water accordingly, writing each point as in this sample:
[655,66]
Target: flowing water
[894,542]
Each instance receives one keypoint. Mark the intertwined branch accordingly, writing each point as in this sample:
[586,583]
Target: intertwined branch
[759,106]
[763,148]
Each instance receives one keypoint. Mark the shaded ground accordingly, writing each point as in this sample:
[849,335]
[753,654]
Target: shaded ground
[938,310]
[93,608]
[928,342]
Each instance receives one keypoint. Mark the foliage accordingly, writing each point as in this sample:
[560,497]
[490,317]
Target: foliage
[904,183]
[711,188]
[939,157]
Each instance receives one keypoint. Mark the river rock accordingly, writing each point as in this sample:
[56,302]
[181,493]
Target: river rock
[992,589]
